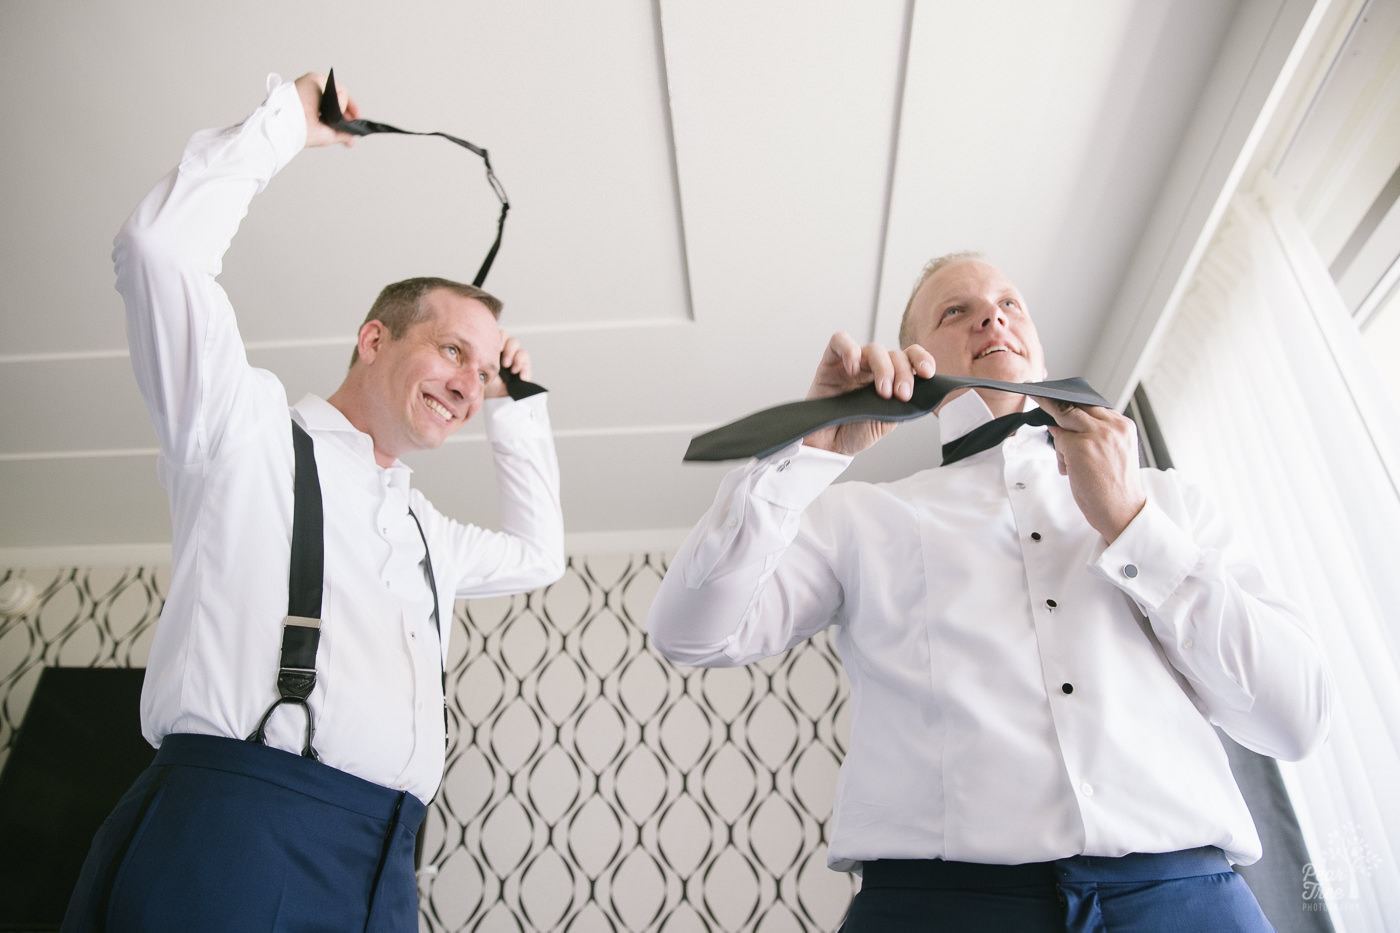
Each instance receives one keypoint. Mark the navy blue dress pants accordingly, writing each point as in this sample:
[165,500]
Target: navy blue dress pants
[1193,891]
[224,835]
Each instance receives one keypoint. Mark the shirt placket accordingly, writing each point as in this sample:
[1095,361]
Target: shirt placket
[407,586]
[1042,555]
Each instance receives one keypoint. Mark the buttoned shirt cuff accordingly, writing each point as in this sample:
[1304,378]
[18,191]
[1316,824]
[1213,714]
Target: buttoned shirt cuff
[280,121]
[508,419]
[1150,559]
[793,477]
[762,502]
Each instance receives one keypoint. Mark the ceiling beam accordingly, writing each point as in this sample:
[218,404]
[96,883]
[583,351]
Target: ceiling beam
[1264,47]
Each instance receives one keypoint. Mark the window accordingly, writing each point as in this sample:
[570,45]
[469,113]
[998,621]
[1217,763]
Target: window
[1340,168]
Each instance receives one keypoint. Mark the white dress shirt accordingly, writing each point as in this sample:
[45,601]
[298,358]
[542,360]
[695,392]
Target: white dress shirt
[226,462]
[1020,691]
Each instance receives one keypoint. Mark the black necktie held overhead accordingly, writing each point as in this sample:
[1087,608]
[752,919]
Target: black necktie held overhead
[772,429]
[331,115]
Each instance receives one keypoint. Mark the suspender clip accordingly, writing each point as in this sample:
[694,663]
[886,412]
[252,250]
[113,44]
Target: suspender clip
[296,676]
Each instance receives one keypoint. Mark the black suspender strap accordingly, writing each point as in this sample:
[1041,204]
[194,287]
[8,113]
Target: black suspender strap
[437,615]
[301,632]
[307,572]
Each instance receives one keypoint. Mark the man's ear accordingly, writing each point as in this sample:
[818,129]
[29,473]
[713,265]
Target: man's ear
[373,335]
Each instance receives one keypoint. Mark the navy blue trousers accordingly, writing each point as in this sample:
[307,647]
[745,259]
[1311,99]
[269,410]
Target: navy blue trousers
[224,835]
[1172,892]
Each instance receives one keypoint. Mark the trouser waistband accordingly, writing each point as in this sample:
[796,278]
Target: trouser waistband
[1134,867]
[284,769]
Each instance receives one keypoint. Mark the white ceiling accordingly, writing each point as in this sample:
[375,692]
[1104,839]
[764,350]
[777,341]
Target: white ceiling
[702,191]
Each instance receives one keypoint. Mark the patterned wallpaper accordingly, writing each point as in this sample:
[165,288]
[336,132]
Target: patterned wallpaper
[590,785]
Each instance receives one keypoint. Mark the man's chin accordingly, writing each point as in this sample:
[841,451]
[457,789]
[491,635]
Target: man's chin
[430,439]
[444,431]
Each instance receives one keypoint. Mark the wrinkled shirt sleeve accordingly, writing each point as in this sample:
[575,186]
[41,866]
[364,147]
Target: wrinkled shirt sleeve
[1246,652]
[186,349]
[527,552]
[755,576]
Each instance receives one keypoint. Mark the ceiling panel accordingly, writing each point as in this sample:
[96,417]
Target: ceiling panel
[1039,134]
[568,98]
[702,190]
[783,114]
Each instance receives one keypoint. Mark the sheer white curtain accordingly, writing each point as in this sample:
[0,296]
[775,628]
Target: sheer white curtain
[1262,388]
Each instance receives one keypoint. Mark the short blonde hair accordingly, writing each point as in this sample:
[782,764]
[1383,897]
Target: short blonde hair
[400,305]
[906,337]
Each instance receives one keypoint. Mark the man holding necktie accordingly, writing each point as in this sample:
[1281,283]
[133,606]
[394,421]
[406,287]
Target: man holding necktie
[295,687]
[1039,634]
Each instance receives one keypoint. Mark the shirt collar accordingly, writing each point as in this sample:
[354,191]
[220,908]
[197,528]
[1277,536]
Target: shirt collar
[321,418]
[966,412]
[969,411]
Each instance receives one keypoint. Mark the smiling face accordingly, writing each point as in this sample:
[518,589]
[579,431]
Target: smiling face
[975,323]
[413,392]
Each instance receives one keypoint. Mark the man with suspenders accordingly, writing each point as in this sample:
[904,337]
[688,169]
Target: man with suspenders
[295,683]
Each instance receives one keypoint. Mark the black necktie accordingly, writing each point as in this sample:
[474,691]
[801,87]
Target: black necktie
[332,116]
[772,429]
